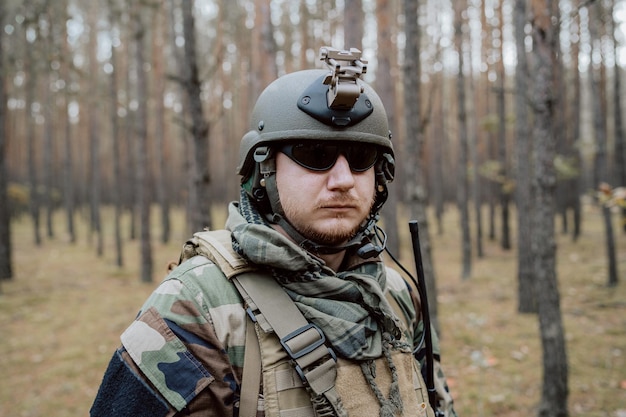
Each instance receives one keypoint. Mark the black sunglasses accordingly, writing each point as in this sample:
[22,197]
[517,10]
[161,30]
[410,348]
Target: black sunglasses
[322,156]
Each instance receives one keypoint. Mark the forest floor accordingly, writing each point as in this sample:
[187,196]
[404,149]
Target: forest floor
[63,312]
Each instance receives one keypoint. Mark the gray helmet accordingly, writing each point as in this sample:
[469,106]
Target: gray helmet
[313,105]
[282,113]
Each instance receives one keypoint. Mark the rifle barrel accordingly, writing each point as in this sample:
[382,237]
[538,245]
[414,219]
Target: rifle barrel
[421,288]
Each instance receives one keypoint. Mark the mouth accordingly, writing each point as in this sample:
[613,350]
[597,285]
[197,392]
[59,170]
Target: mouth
[338,206]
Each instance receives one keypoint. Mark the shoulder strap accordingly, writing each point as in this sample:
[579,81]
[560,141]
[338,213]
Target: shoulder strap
[304,342]
[217,246]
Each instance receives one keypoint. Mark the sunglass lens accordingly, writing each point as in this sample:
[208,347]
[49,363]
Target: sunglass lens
[361,157]
[321,157]
[315,156]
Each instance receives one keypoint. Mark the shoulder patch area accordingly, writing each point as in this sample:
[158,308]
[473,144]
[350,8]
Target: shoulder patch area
[165,360]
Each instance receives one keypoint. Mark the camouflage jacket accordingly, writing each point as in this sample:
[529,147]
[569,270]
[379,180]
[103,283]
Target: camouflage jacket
[183,355]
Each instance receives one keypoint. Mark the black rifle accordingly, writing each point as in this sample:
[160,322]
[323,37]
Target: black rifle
[421,288]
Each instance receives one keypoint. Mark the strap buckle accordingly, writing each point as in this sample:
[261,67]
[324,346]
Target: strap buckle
[312,359]
[303,341]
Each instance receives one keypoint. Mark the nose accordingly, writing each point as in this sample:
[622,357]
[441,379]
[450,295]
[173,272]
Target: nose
[340,176]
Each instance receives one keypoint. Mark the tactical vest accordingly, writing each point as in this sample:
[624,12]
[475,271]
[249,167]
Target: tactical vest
[287,356]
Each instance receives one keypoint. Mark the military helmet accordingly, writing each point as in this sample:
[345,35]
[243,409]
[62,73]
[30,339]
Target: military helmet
[295,107]
[315,105]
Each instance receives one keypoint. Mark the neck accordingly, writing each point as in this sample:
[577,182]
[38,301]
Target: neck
[333,260]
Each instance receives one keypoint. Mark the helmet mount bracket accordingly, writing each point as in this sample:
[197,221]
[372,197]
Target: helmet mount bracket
[337,99]
[343,90]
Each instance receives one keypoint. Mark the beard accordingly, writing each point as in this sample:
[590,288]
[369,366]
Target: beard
[331,235]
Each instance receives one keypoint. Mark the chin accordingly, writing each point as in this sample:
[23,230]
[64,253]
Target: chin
[332,235]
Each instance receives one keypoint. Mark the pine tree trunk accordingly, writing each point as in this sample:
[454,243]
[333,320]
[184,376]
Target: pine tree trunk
[386,90]
[6,264]
[414,156]
[143,161]
[353,24]
[201,209]
[601,174]
[620,135]
[462,181]
[34,202]
[161,146]
[555,371]
[523,191]
[115,138]
[576,115]
[504,191]
[68,175]
[94,134]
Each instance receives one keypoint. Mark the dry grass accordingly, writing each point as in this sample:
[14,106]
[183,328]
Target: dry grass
[62,314]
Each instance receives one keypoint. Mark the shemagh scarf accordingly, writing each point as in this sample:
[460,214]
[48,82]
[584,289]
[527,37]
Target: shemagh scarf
[349,306]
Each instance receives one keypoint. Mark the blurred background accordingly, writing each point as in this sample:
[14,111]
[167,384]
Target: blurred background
[120,124]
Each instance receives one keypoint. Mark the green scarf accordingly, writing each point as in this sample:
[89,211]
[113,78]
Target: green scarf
[349,305]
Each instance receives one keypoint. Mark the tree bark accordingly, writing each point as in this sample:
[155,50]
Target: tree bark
[601,174]
[462,176]
[504,189]
[574,132]
[115,138]
[353,24]
[6,262]
[263,48]
[94,133]
[162,176]
[31,85]
[476,182]
[199,195]
[143,160]
[620,135]
[486,51]
[386,90]
[526,300]
[68,169]
[49,125]
[413,159]
[555,372]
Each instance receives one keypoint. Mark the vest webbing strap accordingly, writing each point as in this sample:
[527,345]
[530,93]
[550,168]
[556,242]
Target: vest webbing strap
[251,378]
[304,342]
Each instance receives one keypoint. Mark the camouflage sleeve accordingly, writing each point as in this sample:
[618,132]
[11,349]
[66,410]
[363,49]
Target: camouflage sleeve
[183,353]
[407,299]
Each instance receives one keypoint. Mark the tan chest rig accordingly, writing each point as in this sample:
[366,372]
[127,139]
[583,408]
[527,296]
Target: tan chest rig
[287,356]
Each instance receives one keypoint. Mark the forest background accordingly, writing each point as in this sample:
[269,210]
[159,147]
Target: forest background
[122,115]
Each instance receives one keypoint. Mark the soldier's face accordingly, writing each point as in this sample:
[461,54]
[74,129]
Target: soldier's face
[326,207]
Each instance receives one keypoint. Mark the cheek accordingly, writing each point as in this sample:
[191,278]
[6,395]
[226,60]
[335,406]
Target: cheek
[292,180]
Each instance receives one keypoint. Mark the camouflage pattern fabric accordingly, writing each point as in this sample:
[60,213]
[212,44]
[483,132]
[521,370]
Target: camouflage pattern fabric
[183,355]
[187,343]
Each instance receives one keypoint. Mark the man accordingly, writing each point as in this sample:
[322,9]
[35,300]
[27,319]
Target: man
[315,167]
